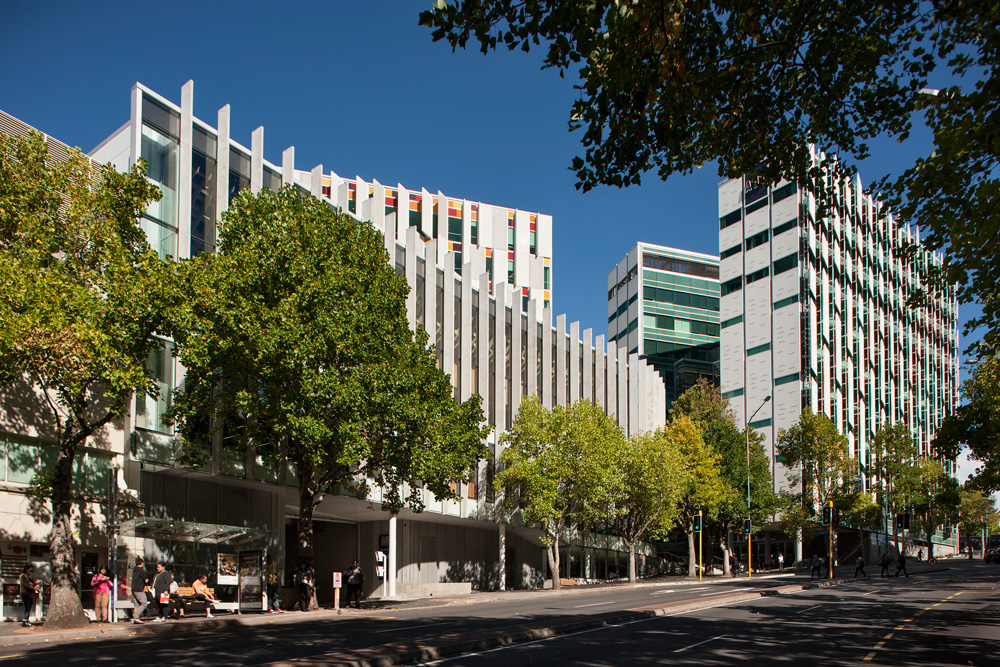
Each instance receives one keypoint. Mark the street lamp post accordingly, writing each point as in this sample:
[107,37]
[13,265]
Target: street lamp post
[747,432]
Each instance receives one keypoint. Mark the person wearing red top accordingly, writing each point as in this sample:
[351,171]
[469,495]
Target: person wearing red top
[101,585]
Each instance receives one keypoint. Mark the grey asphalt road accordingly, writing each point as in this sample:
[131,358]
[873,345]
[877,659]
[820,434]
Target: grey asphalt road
[826,624]
[941,618]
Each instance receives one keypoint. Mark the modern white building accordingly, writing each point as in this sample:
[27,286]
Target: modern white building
[495,334]
[814,314]
[663,304]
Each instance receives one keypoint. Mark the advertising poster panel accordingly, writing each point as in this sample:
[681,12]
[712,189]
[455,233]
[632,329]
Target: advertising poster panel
[251,589]
[228,572]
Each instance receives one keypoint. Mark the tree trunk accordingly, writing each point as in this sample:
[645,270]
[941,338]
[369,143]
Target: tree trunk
[930,541]
[307,505]
[632,578]
[692,565]
[65,608]
[553,553]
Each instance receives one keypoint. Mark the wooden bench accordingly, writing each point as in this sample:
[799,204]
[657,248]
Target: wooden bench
[186,594]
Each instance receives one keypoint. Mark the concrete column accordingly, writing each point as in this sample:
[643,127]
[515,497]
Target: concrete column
[574,362]
[222,167]
[798,549]
[315,181]
[588,364]
[391,565]
[288,166]
[184,172]
[546,355]
[600,370]
[561,370]
[257,160]
[503,556]
[533,361]
[467,324]
[410,272]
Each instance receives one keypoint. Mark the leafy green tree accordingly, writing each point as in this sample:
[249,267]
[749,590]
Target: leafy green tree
[703,488]
[893,454]
[977,513]
[296,345]
[82,295]
[819,461]
[559,469]
[652,478]
[975,424]
[710,410]
[667,87]
[933,495]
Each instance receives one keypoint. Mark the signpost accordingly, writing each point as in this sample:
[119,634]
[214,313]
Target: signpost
[337,585]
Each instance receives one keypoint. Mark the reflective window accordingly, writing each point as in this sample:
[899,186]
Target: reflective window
[160,153]
[149,410]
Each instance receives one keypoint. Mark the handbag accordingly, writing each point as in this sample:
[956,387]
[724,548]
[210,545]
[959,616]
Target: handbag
[164,598]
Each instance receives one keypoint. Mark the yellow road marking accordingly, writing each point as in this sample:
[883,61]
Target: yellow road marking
[879,645]
[869,657]
[898,627]
[936,604]
[909,620]
[888,636]
[958,593]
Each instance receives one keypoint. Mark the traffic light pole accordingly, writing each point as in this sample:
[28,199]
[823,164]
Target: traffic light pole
[829,563]
[701,564]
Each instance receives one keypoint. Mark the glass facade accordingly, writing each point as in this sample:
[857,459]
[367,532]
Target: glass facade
[149,410]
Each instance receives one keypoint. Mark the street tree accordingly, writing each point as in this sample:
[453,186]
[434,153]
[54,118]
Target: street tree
[667,87]
[933,495]
[82,300]
[704,489]
[558,469]
[894,452]
[652,477]
[296,346]
[819,462]
[978,514]
[710,410]
[975,424]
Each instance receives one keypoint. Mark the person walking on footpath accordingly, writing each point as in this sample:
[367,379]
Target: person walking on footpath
[781,562]
[901,565]
[161,591]
[304,580]
[273,588]
[815,567]
[29,592]
[860,567]
[355,578]
[139,582]
[101,585]
[884,564]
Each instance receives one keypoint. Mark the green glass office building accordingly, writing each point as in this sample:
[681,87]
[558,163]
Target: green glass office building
[663,303]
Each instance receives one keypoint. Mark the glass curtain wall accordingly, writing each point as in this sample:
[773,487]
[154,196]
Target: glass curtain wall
[203,189]
[159,146]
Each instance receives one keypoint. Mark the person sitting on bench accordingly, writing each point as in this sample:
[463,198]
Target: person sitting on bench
[202,594]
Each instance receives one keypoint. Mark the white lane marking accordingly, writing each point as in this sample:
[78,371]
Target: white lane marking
[669,590]
[592,604]
[868,593]
[581,632]
[699,643]
[410,627]
[729,590]
[700,588]
[809,609]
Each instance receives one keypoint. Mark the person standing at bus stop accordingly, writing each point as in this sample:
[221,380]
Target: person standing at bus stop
[139,582]
[355,579]
[29,592]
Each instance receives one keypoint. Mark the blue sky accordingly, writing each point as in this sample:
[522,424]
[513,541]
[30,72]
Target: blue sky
[360,88]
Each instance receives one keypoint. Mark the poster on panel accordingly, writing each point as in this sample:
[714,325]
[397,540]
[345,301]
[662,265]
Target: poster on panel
[251,590]
[228,572]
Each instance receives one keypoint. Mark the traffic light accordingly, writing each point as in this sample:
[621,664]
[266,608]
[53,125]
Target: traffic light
[747,528]
[906,521]
[696,522]
[836,517]
[827,511]
[902,521]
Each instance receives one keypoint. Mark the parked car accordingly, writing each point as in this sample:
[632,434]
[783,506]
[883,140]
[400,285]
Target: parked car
[991,555]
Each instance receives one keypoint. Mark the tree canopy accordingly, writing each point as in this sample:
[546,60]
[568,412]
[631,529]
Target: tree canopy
[559,469]
[667,86]
[296,344]
[82,297]
[710,410]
